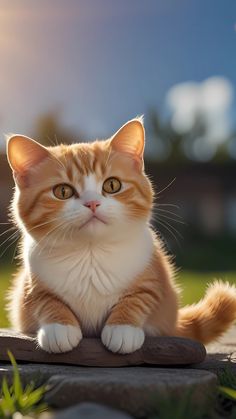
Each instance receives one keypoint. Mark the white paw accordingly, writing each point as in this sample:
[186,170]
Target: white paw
[56,338]
[122,338]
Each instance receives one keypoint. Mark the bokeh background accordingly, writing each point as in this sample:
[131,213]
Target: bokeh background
[73,70]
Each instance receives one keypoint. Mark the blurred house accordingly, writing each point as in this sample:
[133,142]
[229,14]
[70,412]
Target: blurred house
[201,195]
[6,189]
[205,193]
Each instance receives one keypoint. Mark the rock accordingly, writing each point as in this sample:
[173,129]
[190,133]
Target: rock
[135,390]
[221,354]
[132,389]
[91,411]
[91,352]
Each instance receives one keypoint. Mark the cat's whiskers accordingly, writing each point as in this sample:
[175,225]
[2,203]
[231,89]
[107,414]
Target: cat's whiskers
[159,216]
[10,244]
[71,229]
[47,235]
[50,141]
[162,217]
[171,226]
[166,211]
[176,220]
[10,237]
[66,223]
[165,205]
[56,238]
[166,187]
[45,223]
[56,139]
[163,224]
[17,234]
[8,229]
[53,142]
[15,250]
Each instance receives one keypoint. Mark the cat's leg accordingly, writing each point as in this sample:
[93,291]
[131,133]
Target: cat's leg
[59,330]
[142,313]
[34,309]
[124,328]
[123,331]
[149,307]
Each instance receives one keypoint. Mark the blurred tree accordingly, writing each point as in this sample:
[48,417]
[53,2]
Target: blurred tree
[172,147]
[49,130]
[193,145]
[166,138]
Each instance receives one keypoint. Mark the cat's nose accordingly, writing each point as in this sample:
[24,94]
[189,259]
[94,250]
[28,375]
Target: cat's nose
[92,205]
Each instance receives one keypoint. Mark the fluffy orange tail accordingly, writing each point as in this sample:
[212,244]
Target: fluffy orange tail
[210,318]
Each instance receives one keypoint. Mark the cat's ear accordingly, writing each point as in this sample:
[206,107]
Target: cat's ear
[23,154]
[130,139]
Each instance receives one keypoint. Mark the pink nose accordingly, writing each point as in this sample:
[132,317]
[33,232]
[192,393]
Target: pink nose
[92,205]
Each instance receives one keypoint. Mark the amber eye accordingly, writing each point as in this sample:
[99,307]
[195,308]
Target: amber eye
[111,185]
[63,191]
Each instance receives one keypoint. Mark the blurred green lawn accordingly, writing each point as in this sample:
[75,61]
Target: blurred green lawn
[193,285]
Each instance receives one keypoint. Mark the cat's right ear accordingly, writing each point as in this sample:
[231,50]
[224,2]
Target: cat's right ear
[23,154]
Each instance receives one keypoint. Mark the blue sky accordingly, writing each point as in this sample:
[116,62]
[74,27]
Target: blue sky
[104,61]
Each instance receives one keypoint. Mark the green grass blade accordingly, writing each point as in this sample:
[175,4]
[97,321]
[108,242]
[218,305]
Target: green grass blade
[228,392]
[7,401]
[227,378]
[29,400]
[16,399]
[17,387]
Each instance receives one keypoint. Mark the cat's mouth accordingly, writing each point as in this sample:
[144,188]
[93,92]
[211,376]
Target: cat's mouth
[93,219]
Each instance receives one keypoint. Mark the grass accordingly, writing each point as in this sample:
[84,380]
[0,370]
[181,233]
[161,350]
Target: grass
[17,398]
[193,285]
[5,277]
[184,407]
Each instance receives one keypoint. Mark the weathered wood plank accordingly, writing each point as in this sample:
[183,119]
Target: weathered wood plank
[91,352]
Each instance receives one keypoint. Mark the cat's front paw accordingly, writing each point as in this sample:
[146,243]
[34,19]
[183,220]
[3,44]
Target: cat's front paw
[57,338]
[122,338]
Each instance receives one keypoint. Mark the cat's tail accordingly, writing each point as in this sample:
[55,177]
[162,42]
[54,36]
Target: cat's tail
[210,318]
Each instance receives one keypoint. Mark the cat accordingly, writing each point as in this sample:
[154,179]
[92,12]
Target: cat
[92,265]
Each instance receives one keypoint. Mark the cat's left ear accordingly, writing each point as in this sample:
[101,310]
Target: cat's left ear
[130,139]
[24,154]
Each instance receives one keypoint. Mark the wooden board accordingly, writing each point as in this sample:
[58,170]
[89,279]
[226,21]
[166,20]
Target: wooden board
[91,352]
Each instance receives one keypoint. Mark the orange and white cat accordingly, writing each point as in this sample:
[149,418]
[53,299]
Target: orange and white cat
[91,263]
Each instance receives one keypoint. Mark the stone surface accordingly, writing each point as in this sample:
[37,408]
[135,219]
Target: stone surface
[132,389]
[91,352]
[135,390]
[219,353]
[91,411]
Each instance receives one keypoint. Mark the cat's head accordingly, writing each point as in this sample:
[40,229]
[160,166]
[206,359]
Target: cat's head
[81,191]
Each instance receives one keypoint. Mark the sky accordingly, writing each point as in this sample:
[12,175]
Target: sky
[103,62]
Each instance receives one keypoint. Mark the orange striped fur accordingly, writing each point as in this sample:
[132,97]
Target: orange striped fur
[102,273]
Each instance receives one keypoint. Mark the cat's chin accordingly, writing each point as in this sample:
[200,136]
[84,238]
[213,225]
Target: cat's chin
[93,222]
[93,227]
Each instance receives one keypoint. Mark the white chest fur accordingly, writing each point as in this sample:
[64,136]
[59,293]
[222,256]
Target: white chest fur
[91,278]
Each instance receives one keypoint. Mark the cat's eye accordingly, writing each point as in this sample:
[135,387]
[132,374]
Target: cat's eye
[111,185]
[63,191]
